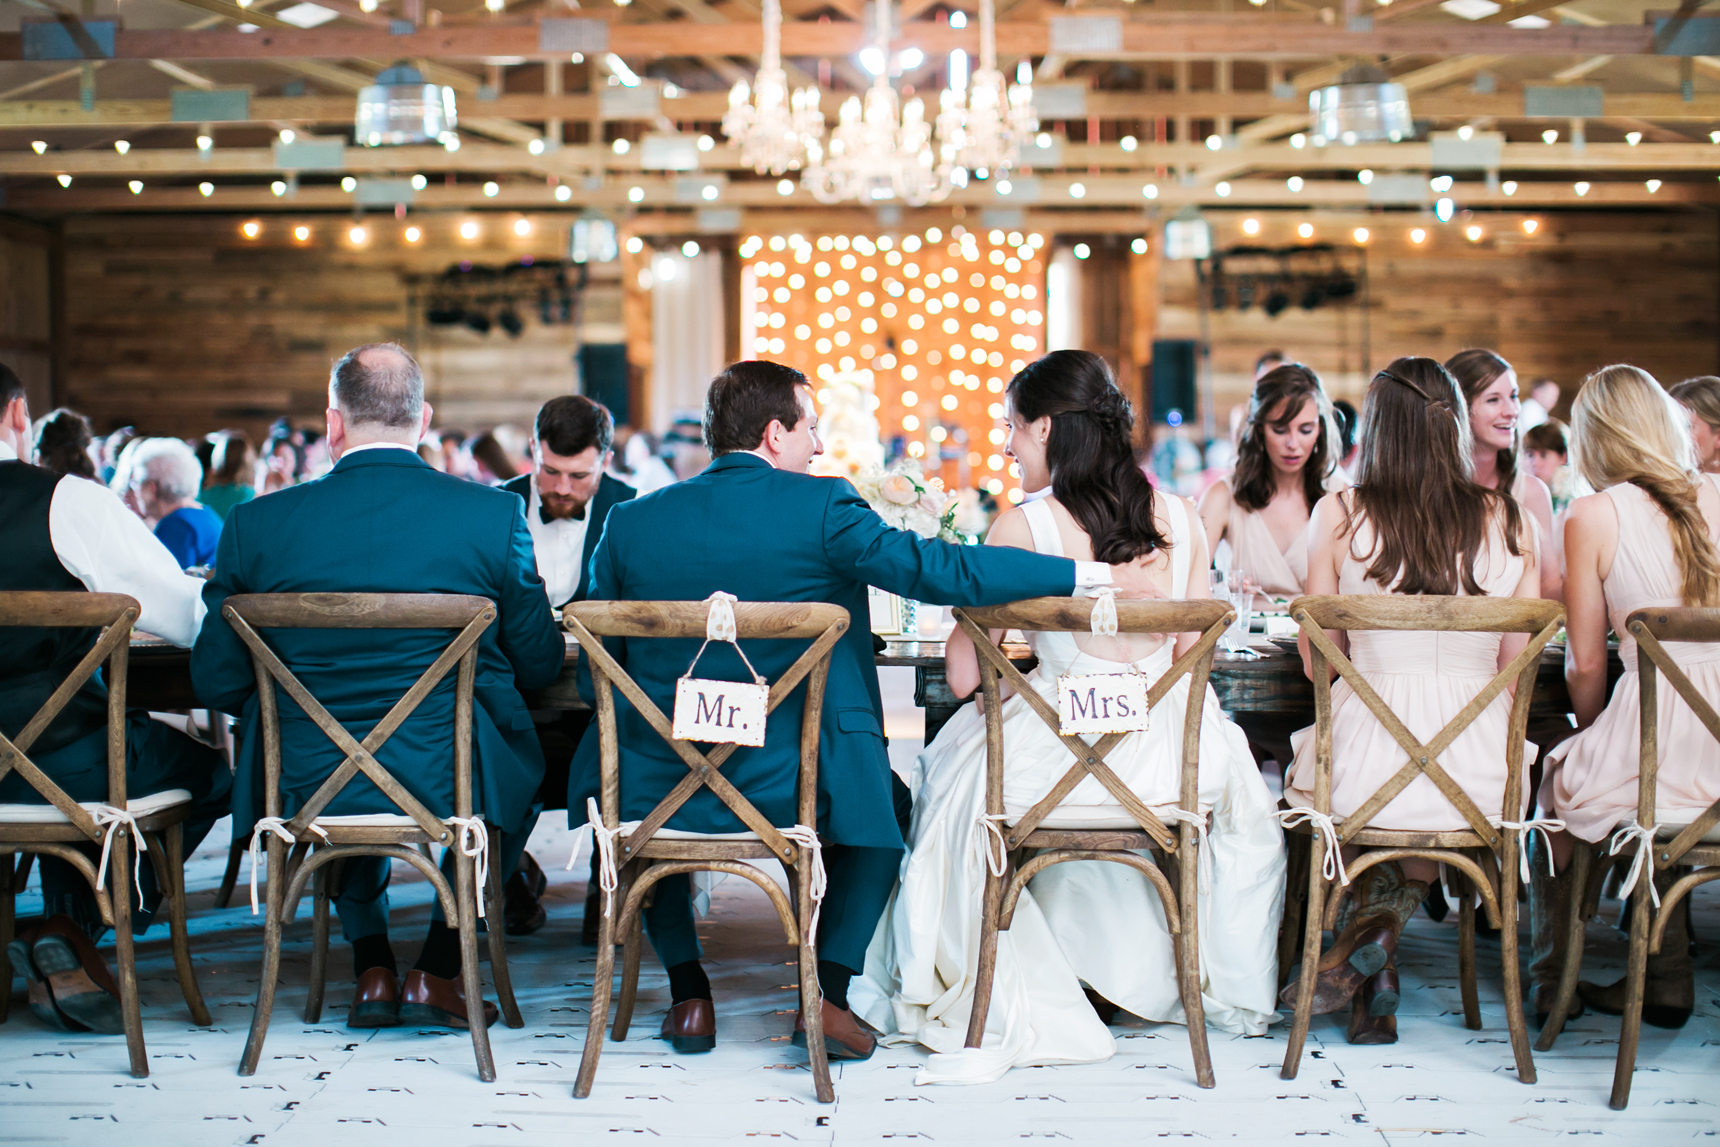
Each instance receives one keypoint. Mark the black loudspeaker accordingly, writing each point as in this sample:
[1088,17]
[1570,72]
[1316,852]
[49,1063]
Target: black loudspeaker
[1173,379]
[603,377]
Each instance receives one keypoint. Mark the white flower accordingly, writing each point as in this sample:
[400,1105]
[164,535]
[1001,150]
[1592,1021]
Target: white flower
[899,489]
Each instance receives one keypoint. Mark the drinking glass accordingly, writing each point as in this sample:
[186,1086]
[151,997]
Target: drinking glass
[1240,594]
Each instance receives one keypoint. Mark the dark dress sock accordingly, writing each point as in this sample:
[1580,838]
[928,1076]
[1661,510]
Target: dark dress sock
[441,954]
[833,982]
[687,981]
[373,952]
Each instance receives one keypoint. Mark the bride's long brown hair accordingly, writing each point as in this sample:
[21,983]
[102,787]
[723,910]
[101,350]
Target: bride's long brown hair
[1415,484]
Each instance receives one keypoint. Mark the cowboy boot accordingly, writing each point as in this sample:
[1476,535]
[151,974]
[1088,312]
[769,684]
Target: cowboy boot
[1669,995]
[1550,905]
[1384,902]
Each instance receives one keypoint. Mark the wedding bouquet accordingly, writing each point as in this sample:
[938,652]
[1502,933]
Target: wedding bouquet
[905,498]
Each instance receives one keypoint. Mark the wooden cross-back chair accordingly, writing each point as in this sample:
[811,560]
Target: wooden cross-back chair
[59,827]
[1036,831]
[1688,843]
[646,852]
[1485,855]
[317,841]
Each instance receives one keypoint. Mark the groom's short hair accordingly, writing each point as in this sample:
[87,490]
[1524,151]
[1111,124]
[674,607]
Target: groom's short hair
[745,399]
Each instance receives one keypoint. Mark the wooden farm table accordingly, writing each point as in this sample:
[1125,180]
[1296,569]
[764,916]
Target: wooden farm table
[1272,684]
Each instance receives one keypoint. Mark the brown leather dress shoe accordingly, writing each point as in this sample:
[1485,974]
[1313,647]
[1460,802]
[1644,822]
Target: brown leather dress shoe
[77,976]
[844,1038]
[41,997]
[376,1003]
[431,1001]
[1359,952]
[691,1026]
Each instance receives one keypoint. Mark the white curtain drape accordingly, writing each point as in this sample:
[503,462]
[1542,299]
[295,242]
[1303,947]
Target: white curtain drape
[686,332]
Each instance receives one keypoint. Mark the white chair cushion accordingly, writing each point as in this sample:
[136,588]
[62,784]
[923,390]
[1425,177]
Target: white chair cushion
[1669,822]
[368,820]
[682,834]
[48,814]
[1085,817]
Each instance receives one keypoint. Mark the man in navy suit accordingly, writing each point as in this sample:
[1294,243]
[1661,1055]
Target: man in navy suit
[756,525]
[568,497]
[383,521]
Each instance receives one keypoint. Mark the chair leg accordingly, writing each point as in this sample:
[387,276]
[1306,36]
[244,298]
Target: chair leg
[1630,1028]
[8,924]
[174,846]
[602,980]
[125,952]
[319,945]
[1514,1020]
[1466,955]
[1299,850]
[1188,960]
[1315,914]
[811,998]
[229,878]
[632,950]
[498,939]
[991,909]
[466,900]
[1575,925]
[275,892]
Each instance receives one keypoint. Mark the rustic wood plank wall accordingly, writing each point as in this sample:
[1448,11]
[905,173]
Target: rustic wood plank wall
[181,325]
[26,291]
[1584,290]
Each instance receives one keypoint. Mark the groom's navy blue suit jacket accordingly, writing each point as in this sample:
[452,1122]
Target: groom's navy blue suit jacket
[763,534]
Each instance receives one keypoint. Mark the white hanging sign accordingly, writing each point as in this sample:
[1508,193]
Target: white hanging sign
[1102,703]
[721,712]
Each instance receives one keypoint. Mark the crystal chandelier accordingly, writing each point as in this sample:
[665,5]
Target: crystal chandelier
[982,128]
[881,149]
[775,130]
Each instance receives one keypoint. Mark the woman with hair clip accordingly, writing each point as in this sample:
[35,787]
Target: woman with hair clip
[1286,458]
[1416,522]
[1647,539]
[1097,923]
[1490,388]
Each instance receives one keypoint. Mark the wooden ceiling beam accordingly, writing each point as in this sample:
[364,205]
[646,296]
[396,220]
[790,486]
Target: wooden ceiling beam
[1243,37]
[1104,199]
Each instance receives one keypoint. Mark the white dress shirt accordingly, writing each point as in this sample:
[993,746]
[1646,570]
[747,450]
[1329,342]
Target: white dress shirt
[109,549]
[559,546]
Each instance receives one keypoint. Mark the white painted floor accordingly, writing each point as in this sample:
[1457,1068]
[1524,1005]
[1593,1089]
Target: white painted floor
[323,1086]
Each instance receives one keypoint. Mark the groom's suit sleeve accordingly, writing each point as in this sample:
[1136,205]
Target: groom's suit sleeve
[901,562]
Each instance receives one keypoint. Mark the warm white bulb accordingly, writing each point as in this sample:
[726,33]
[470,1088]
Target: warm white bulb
[251,230]
[469,229]
[1473,233]
[1653,185]
[301,233]
[690,248]
[522,227]
[1551,135]
[206,189]
[621,146]
[535,147]
[1361,234]
[39,146]
[1418,235]
[1077,191]
[1581,187]
[563,193]
[413,234]
[1305,230]
[785,187]
[288,135]
[1633,137]
[1223,189]
[1214,142]
[1251,226]
[1129,143]
[348,184]
[136,186]
[65,180]
[121,146]
[278,187]
[357,235]
[1294,183]
[1364,176]
[204,142]
[419,183]
[492,189]
[635,195]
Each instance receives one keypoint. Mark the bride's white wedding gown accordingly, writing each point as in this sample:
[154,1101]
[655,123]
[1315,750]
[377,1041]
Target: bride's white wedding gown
[1079,922]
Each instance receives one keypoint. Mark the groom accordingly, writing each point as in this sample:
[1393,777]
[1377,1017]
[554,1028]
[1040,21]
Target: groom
[756,525]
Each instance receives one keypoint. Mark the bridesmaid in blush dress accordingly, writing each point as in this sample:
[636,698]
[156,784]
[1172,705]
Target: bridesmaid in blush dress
[1647,539]
[1416,522]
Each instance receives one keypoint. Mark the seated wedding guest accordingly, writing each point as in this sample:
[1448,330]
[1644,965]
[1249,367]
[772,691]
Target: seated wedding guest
[1081,923]
[490,462]
[165,479]
[63,441]
[454,459]
[1285,461]
[568,498]
[756,525]
[638,462]
[1538,407]
[281,465]
[67,535]
[1701,397]
[1415,522]
[230,471]
[382,521]
[1344,411]
[1489,385]
[1547,448]
[1651,537]
[112,446]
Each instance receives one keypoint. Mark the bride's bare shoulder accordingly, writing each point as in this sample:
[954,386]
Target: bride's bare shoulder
[1011,529]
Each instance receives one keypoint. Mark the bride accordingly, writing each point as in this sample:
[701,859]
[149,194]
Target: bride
[1081,923]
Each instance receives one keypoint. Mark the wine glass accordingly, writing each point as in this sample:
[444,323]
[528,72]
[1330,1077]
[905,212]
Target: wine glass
[1240,593]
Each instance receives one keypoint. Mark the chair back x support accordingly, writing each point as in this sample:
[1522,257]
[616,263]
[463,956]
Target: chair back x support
[317,842]
[1665,849]
[644,855]
[63,833]
[1486,854]
[1004,877]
